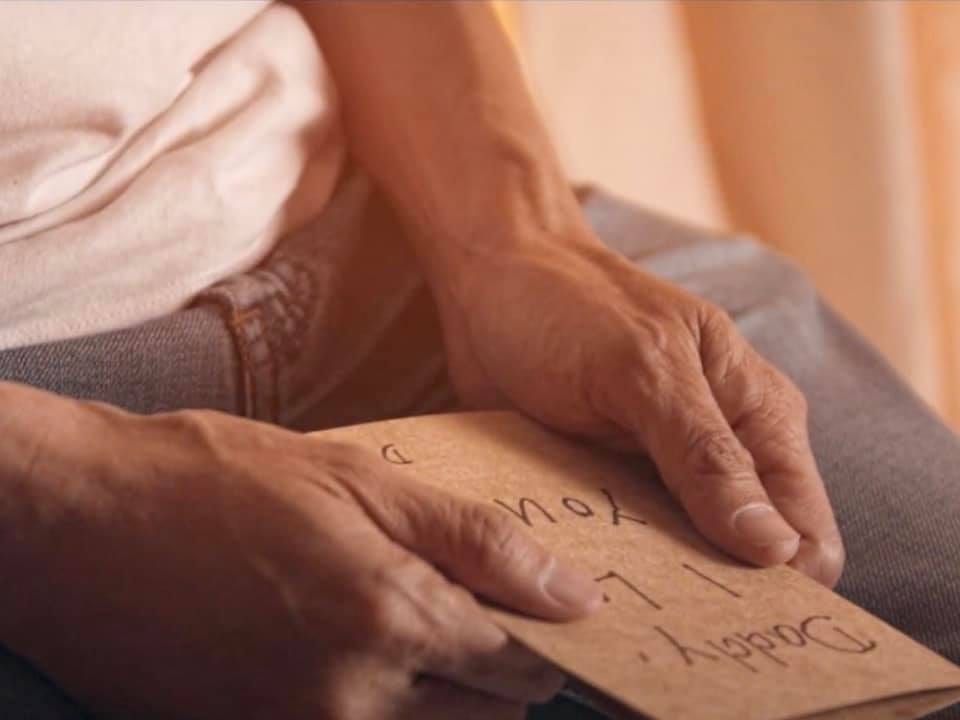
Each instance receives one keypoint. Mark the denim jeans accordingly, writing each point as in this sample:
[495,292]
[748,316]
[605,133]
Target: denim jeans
[337,327]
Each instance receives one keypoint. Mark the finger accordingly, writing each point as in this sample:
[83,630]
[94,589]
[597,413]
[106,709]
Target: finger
[513,674]
[709,471]
[416,620]
[479,547]
[438,628]
[437,699]
[471,651]
[671,412]
[770,418]
[777,437]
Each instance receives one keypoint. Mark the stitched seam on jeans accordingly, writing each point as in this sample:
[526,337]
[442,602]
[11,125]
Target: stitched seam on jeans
[259,358]
[256,374]
[238,321]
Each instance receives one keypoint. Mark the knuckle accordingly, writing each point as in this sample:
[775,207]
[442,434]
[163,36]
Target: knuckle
[388,606]
[346,461]
[342,455]
[658,359]
[630,353]
[714,455]
[722,351]
[654,348]
[653,339]
[793,397]
[380,614]
[714,323]
[714,319]
[496,540]
[789,417]
[782,409]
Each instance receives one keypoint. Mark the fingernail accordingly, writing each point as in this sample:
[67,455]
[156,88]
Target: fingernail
[571,588]
[822,561]
[761,525]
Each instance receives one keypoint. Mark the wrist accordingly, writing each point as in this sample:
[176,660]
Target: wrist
[510,196]
[476,261]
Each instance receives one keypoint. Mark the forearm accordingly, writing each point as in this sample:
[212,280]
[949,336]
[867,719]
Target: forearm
[25,508]
[52,449]
[437,111]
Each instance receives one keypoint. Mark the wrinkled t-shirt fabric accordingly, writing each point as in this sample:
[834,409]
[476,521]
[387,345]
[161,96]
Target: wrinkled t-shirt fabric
[148,150]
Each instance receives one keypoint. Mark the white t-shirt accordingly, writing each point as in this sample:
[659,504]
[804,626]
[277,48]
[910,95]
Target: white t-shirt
[149,149]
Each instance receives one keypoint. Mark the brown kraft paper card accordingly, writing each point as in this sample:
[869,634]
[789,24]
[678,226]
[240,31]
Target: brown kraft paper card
[686,632]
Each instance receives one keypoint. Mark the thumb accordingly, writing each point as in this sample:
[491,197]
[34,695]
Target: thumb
[478,547]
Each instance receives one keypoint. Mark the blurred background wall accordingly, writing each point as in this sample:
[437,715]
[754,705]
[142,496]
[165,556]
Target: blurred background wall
[830,130]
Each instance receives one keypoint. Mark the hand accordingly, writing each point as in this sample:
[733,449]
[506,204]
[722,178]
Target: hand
[194,565]
[586,342]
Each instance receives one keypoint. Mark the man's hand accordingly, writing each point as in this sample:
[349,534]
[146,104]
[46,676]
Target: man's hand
[584,341]
[538,315]
[194,565]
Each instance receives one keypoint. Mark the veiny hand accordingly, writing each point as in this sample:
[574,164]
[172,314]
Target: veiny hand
[586,342]
[194,565]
